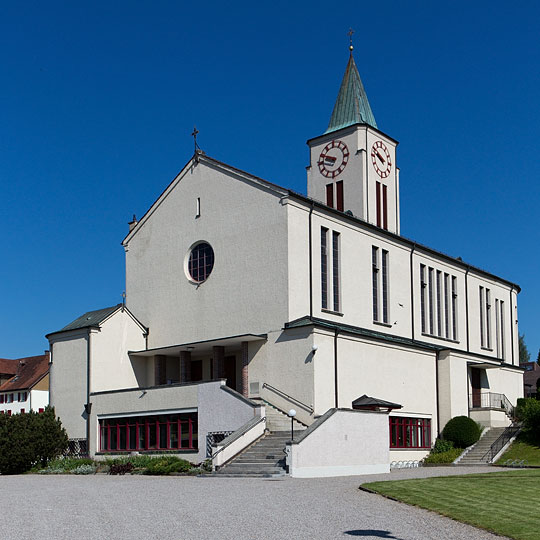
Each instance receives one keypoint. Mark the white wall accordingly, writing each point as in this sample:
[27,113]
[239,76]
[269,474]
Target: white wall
[345,443]
[246,225]
[68,373]
[39,399]
[217,409]
[111,366]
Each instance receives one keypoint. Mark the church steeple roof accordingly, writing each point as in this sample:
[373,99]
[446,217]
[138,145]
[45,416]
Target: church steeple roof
[352,105]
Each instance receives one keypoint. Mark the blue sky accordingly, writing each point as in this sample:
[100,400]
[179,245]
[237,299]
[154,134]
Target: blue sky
[98,101]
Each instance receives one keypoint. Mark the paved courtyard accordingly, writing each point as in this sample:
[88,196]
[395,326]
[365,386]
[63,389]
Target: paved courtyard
[187,508]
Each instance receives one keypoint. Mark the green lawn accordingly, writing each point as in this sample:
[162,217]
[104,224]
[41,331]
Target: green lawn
[506,503]
[523,448]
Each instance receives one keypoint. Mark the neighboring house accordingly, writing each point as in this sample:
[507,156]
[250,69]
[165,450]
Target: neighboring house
[241,293]
[28,387]
[531,379]
[8,368]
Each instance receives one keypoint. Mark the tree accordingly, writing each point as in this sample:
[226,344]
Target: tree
[538,358]
[524,355]
[29,439]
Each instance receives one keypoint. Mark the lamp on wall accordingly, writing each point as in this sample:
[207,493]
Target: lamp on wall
[314,349]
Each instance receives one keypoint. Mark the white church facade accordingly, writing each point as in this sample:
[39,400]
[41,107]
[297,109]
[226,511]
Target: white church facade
[241,294]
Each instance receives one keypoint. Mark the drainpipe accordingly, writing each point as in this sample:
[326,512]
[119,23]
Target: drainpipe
[437,391]
[87,406]
[336,400]
[310,243]
[467,305]
[412,291]
[512,324]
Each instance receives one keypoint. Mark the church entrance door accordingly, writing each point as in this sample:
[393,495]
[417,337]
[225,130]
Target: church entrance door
[230,371]
[476,388]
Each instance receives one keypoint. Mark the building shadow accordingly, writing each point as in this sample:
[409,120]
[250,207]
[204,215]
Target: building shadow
[372,532]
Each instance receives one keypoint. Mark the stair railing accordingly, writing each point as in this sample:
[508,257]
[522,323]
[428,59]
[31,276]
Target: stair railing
[497,446]
[293,400]
[233,437]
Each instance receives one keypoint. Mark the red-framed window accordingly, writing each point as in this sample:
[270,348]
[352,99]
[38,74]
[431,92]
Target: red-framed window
[1,398]
[410,432]
[41,409]
[22,396]
[330,195]
[149,433]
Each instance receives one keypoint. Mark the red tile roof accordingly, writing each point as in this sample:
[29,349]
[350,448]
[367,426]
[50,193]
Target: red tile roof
[29,371]
[8,367]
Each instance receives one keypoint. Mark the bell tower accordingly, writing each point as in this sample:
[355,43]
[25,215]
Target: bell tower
[353,164]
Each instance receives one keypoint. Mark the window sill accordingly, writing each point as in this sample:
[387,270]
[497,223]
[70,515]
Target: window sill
[338,313]
[388,325]
[487,349]
[141,452]
[440,337]
[415,448]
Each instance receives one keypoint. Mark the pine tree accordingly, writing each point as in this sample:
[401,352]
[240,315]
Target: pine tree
[524,355]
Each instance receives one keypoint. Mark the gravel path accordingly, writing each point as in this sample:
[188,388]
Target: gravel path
[186,508]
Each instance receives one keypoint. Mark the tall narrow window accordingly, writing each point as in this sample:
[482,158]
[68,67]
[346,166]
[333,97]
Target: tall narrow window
[501,307]
[375,281]
[430,299]
[497,329]
[324,268]
[198,208]
[330,195]
[339,195]
[446,306]
[423,296]
[439,304]
[481,316]
[378,202]
[385,207]
[488,318]
[385,286]
[335,269]
[454,307]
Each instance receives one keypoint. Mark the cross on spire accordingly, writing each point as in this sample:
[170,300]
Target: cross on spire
[350,33]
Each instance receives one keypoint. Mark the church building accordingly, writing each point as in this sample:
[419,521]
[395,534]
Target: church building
[245,300]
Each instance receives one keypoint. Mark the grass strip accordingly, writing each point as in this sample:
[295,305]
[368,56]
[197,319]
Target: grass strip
[502,502]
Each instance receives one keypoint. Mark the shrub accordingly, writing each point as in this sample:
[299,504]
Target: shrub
[167,465]
[30,439]
[84,469]
[528,411]
[462,431]
[121,468]
[449,456]
[441,446]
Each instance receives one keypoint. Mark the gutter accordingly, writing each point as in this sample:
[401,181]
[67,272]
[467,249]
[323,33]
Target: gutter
[512,326]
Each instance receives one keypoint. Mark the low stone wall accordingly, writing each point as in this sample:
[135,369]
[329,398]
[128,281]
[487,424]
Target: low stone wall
[342,442]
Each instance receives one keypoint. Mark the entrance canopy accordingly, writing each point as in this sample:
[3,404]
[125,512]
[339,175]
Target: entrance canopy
[199,346]
[368,403]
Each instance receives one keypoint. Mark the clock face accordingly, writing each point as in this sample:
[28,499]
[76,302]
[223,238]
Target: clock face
[333,159]
[380,157]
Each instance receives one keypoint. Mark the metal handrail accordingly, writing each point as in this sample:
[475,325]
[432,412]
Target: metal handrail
[497,446]
[279,392]
[492,400]
[242,431]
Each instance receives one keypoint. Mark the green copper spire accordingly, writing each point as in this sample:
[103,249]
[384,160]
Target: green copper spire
[352,105]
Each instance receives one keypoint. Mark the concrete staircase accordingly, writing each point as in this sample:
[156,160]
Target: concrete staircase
[476,453]
[265,457]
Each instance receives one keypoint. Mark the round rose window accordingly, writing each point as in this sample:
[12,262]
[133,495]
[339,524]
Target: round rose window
[201,262]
